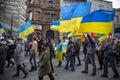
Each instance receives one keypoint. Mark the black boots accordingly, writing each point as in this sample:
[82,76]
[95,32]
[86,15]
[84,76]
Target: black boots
[60,63]
[33,68]
[16,75]
[25,75]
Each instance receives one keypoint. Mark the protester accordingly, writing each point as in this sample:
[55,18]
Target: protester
[77,51]
[59,53]
[10,53]
[44,63]
[70,56]
[33,52]
[19,58]
[40,42]
[109,57]
[52,52]
[85,48]
[3,52]
[90,56]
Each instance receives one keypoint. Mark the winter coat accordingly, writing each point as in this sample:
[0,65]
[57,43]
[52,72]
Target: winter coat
[3,53]
[52,52]
[44,63]
[10,52]
[19,54]
[70,52]
[77,47]
[34,47]
[90,46]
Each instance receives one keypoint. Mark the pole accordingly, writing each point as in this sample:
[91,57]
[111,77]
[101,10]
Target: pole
[11,23]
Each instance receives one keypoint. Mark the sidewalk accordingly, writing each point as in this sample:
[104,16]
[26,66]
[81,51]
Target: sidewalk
[60,73]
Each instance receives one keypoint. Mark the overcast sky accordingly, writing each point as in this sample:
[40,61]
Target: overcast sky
[116,3]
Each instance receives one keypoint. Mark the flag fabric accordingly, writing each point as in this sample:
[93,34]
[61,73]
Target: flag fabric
[55,25]
[72,16]
[102,36]
[74,33]
[25,29]
[1,29]
[99,21]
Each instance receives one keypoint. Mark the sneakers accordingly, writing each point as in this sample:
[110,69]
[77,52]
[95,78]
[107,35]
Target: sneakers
[85,72]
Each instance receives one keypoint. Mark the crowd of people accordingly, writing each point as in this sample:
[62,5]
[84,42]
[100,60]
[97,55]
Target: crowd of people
[107,51]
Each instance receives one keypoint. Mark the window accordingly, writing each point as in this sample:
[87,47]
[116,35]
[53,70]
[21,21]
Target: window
[38,2]
[30,15]
[116,19]
[38,16]
[31,1]
[47,17]
[54,17]
[50,4]
[101,7]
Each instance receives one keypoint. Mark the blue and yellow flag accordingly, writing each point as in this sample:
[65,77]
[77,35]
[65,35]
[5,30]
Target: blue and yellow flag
[74,33]
[55,25]
[72,16]
[99,21]
[102,36]
[1,29]
[25,29]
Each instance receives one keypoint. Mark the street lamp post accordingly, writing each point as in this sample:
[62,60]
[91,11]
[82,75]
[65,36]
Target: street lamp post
[11,23]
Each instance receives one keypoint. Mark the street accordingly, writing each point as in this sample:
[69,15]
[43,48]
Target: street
[60,73]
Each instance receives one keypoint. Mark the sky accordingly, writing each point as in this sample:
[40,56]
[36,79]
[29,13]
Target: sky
[116,3]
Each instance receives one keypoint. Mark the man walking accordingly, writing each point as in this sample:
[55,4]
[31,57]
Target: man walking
[90,56]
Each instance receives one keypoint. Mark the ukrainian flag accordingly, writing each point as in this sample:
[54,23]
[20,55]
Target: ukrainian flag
[25,29]
[99,21]
[102,36]
[55,25]
[74,33]
[1,29]
[72,16]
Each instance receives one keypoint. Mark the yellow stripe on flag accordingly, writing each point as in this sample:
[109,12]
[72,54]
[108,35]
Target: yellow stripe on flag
[96,27]
[55,28]
[26,32]
[70,25]
[1,30]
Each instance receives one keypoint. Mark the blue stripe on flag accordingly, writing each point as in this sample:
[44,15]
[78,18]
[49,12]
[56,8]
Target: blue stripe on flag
[25,26]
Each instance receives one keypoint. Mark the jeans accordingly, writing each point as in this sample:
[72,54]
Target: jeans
[32,57]
[19,67]
[90,57]
[72,64]
[78,58]
[111,60]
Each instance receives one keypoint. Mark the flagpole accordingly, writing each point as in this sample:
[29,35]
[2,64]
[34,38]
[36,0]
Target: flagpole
[11,23]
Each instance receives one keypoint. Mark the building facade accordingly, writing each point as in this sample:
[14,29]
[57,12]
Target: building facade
[14,15]
[42,13]
[117,21]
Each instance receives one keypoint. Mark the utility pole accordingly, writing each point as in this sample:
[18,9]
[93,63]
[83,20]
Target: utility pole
[11,23]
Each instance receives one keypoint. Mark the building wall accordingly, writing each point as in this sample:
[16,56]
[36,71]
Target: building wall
[14,15]
[117,21]
[97,4]
[43,8]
